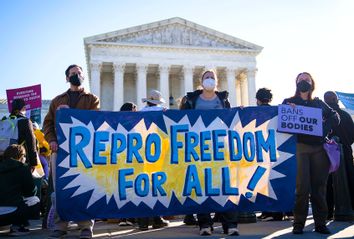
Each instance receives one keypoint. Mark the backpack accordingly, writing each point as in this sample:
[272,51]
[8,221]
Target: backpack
[8,133]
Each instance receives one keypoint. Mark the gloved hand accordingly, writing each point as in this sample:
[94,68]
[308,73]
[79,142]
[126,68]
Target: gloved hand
[30,201]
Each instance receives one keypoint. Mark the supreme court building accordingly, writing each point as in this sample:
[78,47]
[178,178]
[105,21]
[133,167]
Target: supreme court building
[170,56]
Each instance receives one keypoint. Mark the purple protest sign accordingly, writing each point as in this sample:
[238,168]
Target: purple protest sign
[300,120]
[31,95]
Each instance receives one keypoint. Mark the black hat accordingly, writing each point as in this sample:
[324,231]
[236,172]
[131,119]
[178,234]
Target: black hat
[17,105]
[264,95]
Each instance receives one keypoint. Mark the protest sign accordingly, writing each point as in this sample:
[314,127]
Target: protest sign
[346,99]
[31,95]
[300,120]
[136,164]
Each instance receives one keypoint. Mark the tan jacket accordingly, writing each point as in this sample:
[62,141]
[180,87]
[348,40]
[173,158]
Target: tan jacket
[87,101]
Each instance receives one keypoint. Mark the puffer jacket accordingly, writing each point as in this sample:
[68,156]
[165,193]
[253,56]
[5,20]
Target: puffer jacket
[189,101]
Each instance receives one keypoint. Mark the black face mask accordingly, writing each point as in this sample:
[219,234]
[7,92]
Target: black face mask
[303,86]
[76,80]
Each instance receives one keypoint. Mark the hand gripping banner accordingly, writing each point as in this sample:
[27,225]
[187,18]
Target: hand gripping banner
[137,164]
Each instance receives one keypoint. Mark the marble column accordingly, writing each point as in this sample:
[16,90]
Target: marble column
[164,83]
[95,83]
[231,86]
[251,80]
[118,85]
[244,91]
[238,93]
[188,78]
[141,70]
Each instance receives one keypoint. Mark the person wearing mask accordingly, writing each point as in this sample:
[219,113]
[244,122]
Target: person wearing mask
[17,201]
[345,132]
[76,97]
[204,99]
[312,162]
[154,102]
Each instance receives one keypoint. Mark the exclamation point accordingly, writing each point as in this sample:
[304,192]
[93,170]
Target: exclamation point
[254,180]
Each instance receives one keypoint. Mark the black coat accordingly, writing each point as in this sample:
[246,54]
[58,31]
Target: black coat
[188,102]
[345,129]
[15,182]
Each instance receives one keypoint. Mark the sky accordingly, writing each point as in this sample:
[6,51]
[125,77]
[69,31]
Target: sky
[39,39]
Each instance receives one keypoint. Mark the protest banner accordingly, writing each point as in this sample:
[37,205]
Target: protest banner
[346,99]
[300,120]
[135,164]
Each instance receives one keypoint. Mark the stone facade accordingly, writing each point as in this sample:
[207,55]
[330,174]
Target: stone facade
[169,56]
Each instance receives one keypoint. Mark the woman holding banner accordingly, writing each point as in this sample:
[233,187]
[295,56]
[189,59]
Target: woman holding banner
[312,162]
[204,99]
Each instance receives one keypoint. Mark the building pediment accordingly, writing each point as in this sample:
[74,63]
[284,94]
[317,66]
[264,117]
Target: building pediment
[173,32]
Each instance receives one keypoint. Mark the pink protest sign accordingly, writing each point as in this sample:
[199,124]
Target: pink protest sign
[31,95]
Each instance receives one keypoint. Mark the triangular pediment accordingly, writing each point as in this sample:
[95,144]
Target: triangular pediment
[173,32]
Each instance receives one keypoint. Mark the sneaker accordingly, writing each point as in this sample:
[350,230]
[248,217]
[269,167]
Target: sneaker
[86,234]
[126,223]
[160,223]
[263,215]
[143,227]
[233,232]
[123,224]
[267,219]
[57,234]
[190,220]
[18,231]
[298,229]
[322,229]
[206,231]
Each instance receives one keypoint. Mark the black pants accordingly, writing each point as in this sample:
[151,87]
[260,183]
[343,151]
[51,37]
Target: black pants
[20,216]
[228,219]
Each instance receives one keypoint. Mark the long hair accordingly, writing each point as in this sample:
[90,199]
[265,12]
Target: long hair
[297,92]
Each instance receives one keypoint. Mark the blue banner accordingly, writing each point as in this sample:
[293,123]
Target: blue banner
[346,99]
[137,164]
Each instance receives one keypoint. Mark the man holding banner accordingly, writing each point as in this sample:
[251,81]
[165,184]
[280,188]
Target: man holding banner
[312,162]
[78,98]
